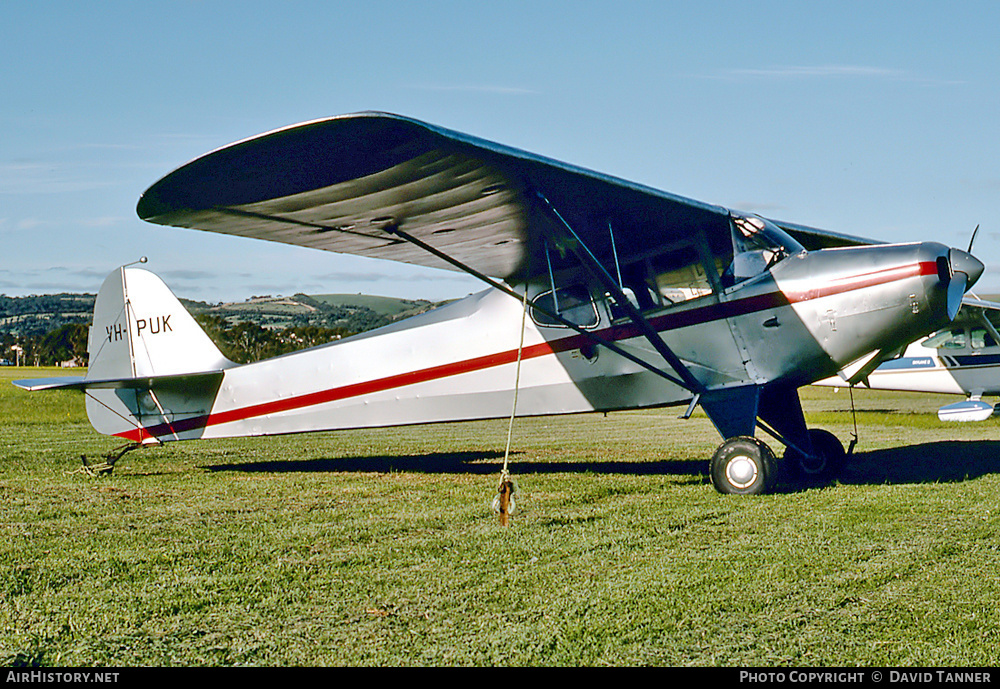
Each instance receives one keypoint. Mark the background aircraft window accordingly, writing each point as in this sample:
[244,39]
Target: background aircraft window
[981,339]
[575,305]
[947,339]
[993,317]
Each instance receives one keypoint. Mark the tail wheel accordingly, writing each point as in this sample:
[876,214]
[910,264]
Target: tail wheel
[744,466]
[828,458]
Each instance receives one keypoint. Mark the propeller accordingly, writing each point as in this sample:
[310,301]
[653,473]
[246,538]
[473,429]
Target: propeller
[965,269]
[974,232]
[956,292]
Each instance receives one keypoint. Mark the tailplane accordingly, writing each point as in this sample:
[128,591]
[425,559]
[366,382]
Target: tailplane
[153,371]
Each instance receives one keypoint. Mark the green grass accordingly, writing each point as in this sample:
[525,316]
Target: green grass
[379,547]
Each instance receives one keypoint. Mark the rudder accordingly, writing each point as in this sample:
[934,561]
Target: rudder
[152,368]
[142,330]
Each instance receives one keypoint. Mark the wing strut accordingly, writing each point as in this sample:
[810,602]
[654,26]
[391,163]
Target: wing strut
[393,229]
[400,235]
[590,262]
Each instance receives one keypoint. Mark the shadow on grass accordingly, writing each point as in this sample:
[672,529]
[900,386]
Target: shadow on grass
[937,462]
[466,463]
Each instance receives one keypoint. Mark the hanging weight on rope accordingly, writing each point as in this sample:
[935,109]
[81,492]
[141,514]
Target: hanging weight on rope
[503,503]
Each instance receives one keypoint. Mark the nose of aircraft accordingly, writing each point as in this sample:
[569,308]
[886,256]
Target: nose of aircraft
[965,269]
[964,262]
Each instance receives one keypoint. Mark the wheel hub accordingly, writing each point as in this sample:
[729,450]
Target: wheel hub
[741,471]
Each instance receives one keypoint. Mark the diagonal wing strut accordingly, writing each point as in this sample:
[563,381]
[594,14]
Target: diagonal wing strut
[400,235]
[594,267]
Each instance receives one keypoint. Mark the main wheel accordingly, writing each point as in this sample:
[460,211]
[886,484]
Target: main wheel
[744,466]
[828,460]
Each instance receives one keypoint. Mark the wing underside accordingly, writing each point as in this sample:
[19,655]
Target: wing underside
[345,184]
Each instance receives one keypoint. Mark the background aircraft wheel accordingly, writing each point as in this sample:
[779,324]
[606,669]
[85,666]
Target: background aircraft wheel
[743,466]
[829,459]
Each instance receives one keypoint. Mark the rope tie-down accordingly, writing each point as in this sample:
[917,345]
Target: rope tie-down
[503,503]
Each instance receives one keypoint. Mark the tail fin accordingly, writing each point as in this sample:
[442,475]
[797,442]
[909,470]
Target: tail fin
[154,374]
[141,330]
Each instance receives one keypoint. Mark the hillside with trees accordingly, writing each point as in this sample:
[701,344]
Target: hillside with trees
[52,330]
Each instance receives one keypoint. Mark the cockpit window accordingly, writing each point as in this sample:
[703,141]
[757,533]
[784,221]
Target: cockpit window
[697,266]
[981,338]
[947,339]
[572,303]
[758,244]
[665,276]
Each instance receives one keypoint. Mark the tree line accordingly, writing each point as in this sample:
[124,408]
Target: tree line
[65,343]
[246,341]
[242,342]
[52,330]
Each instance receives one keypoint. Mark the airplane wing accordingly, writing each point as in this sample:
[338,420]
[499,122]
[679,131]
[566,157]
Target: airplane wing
[813,238]
[345,184]
[977,303]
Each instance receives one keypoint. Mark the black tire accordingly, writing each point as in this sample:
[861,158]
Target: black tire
[829,459]
[744,466]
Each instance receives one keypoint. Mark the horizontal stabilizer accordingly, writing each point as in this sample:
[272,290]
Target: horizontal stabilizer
[80,383]
[54,383]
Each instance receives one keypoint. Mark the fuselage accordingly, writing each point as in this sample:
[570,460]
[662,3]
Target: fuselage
[797,322]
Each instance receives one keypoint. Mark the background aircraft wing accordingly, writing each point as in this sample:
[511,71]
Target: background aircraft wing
[977,303]
[342,184]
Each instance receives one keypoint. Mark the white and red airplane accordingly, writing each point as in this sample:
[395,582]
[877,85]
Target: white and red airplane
[960,359]
[604,294]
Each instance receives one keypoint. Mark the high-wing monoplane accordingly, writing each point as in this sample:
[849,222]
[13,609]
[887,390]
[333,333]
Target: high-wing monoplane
[602,294]
[960,359]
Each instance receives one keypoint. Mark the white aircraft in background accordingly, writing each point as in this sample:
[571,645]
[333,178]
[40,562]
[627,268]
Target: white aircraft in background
[960,359]
[611,296]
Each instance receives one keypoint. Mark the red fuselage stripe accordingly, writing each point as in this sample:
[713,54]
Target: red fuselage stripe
[669,321]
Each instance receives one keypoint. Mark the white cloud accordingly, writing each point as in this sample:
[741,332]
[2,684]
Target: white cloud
[102,222]
[476,88]
[48,178]
[28,224]
[807,71]
[789,72]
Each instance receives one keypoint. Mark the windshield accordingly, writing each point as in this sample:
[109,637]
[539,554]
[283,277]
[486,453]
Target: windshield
[758,244]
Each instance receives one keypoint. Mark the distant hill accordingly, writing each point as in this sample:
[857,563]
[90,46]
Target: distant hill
[351,312]
[34,316]
[387,306]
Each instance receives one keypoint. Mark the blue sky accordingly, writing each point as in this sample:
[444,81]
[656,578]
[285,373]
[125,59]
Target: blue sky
[877,119]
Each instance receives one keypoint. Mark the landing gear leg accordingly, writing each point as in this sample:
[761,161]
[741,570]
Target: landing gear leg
[813,454]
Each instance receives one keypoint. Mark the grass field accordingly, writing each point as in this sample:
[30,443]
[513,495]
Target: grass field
[379,547]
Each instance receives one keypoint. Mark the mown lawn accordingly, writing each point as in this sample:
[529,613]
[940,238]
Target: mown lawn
[380,548]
